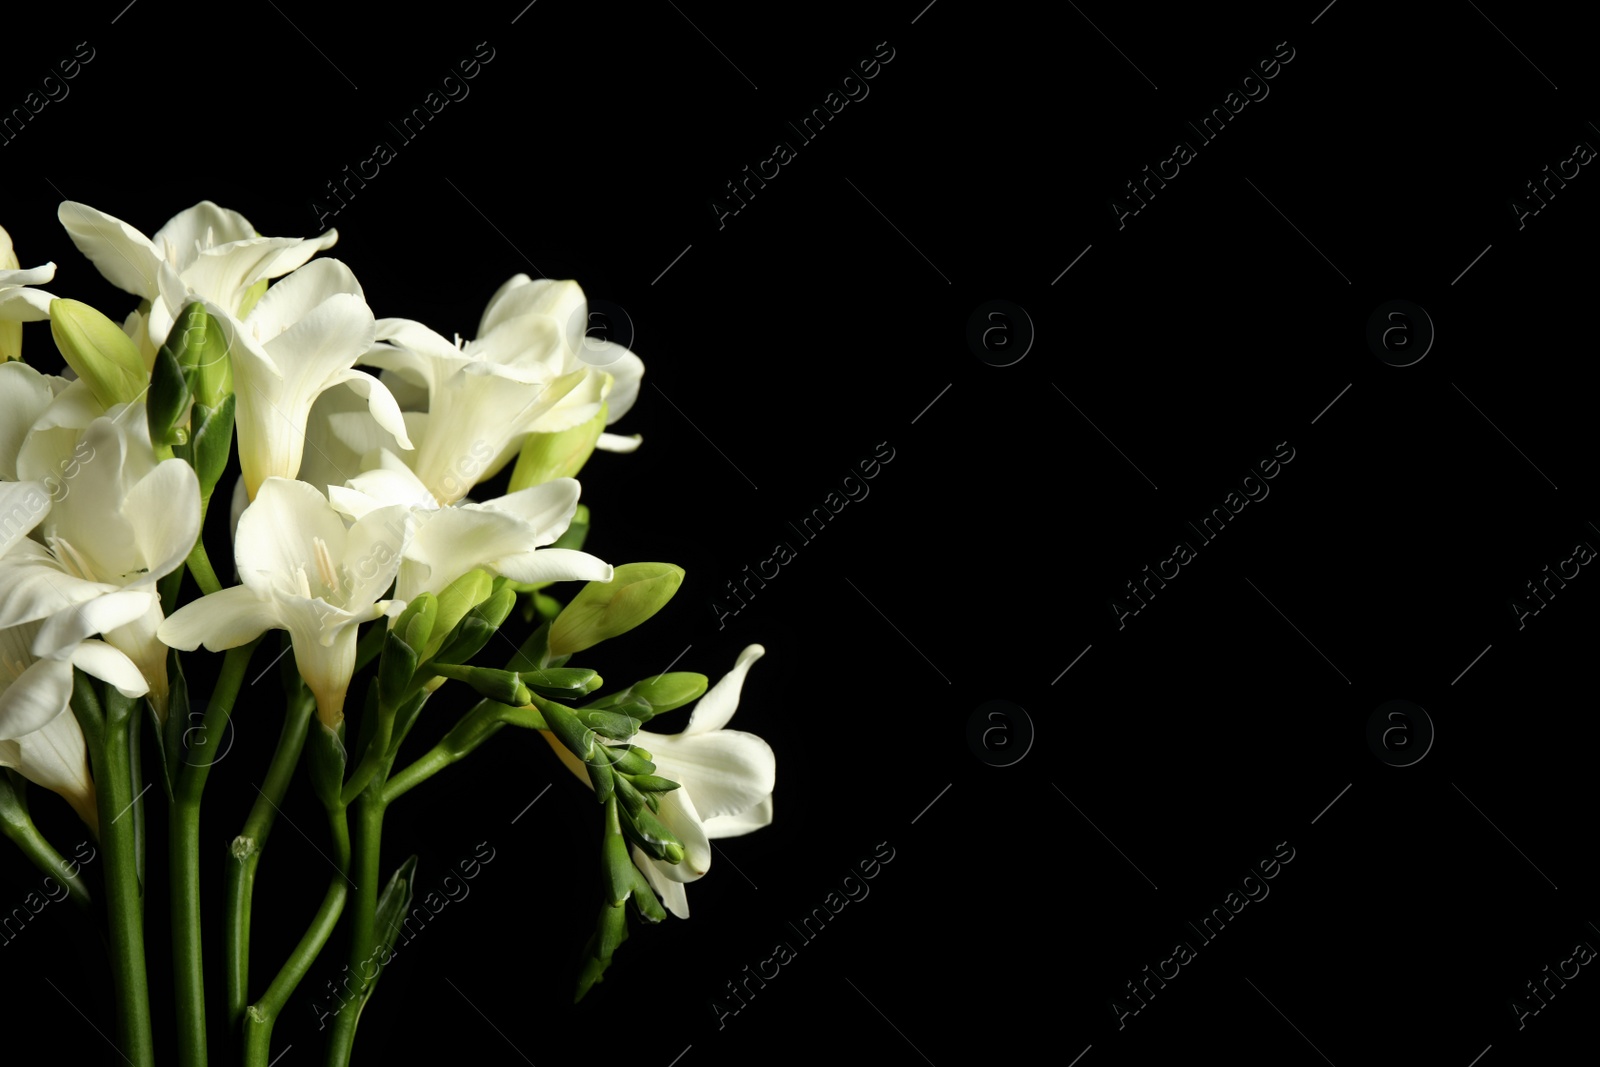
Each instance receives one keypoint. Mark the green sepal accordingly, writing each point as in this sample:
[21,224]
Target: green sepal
[395,668]
[470,635]
[611,930]
[504,687]
[577,530]
[394,904]
[615,863]
[325,762]
[609,723]
[653,783]
[630,760]
[458,598]
[177,720]
[167,401]
[650,834]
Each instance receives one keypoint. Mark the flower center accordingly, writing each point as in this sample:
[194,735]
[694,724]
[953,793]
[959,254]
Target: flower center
[72,561]
[325,568]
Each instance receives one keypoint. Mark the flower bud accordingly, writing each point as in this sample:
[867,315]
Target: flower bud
[98,352]
[603,610]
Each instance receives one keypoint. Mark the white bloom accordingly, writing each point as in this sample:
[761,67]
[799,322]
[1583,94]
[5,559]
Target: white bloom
[39,735]
[302,338]
[19,302]
[530,369]
[205,253]
[504,536]
[304,572]
[726,779]
[118,521]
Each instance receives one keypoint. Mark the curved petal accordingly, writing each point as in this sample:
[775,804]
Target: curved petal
[380,402]
[672,894]
[626,370]
[39,694]
[722,700]
[127,258]
[195,229]
[553,565]
[102,614]
[36,587]
[730,771]
[56,758]
[278,534]
[678,814]
[746,822]
[547,508]
[298,295]
[611,442]
[222,620]
[110,665]
[22,506]
[562,302]
[163,508]
[24,396]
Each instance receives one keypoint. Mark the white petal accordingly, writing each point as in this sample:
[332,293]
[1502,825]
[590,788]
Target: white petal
[296,296]
[24,395]
[678,814]
[611,442]
[163,508]
[672,894]
[220,621]
[745,822]
[372,554]
[626,369]
[380,402]
[553,565]
[109,664]
[37,588]
[56,758]
[39,694]
[722,700]
[278,532]
[125,256]
[22,506]
[102,614]
[547,508]
[202,226]
[730,771]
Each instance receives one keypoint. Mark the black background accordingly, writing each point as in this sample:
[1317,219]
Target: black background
[829,318]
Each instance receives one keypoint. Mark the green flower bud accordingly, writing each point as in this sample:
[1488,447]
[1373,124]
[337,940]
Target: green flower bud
[630,760]
[603,610]
[395,668]
[609,724]
[98,352]
[458,598]
[655,696]
[200,348]
[498,605]
[415,624]
[559,683]
[654,783]
[648,832]
[491,684]
[548,456]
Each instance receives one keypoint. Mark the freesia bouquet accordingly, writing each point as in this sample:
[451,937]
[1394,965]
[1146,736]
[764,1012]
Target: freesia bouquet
[347,498]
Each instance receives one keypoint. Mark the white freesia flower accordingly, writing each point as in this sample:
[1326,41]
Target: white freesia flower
[530,369]
[19,301]
[39,735]
[118,521]
[504,536]
[725,777]
[304,572]
[205,253]
[302,338]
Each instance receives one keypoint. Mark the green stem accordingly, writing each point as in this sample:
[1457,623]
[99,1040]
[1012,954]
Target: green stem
[477,726]
[200,566]
[184,845]
[260,1016]
[246,850]
[364,876]
[17,824]
[106,732]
